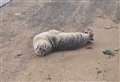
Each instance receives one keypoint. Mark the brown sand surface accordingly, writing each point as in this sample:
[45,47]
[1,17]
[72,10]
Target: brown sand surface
[18,62]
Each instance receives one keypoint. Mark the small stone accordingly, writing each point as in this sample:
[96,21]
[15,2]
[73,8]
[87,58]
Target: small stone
[17,14]
[117,50]
[97,68]
[111,27]
[99,71]
[108,52]
[89,47]
[49,77]
[19,54]
[108,27]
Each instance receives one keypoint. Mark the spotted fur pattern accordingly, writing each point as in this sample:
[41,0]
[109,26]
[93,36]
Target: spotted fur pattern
[52,40]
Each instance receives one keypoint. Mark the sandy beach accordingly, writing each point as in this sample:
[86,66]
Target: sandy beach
[18,62]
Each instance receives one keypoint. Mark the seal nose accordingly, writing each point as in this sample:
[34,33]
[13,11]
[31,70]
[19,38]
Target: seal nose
[92,39]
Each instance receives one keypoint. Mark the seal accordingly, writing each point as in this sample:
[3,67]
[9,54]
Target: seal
[54,40]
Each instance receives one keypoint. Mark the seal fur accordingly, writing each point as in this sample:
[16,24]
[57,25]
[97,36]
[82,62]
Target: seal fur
[52,40]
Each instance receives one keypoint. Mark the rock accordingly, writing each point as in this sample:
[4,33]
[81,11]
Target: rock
[19,54]
[108,52]
[49,77]
[99,71]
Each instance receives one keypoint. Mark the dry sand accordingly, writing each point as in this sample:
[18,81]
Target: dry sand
[18,62]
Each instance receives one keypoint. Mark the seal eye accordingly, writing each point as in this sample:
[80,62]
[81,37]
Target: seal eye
[86,32]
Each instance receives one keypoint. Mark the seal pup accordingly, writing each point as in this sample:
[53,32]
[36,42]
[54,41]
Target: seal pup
[53,40]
